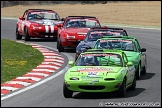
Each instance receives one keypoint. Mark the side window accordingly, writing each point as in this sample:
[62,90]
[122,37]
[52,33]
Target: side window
[137,45]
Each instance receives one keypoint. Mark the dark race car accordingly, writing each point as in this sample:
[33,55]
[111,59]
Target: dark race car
[40,23]
[73,30]
[95,34]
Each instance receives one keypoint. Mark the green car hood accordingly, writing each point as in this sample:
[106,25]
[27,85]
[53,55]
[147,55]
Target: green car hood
[131,55]
[101,70]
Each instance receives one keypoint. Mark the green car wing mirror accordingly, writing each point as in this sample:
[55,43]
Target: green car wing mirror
[71,63]
[129,64]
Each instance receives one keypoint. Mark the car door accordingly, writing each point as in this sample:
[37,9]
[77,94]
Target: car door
[130,72]
[142,54]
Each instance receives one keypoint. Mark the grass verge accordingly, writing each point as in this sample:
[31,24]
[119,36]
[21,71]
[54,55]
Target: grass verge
[17,59]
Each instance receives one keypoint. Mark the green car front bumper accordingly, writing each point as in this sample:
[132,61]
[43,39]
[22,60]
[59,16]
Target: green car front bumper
[93,86]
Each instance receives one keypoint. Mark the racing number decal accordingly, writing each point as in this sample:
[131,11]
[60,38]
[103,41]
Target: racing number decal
[92,73]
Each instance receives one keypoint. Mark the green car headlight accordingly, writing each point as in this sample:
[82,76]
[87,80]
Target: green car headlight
[109,79]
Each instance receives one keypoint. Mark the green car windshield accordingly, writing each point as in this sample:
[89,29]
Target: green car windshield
[99,59]
[119,44]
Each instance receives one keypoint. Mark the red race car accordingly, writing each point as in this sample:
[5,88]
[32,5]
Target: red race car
[73,30]
[38,23]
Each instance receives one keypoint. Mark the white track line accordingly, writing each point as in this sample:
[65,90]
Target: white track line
[53,60]
[18,82]
[9,88]
[60,64]
[49,66]
[32,78]
[56,57]
[47,70]
[42,74]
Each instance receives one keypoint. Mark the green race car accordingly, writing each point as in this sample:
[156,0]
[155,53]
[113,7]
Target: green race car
[100,71]
[130,46]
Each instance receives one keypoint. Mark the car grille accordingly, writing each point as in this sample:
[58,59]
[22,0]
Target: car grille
[92,87]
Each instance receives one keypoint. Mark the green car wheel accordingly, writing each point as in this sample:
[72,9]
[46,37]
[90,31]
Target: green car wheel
[133,86]
[144,68]
[67,93]
[122,89]
[138,72]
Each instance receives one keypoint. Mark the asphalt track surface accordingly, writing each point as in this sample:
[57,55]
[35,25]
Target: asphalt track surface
[50,92]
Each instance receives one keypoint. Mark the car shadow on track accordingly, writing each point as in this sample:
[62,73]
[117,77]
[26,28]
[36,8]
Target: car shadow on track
[72,50]
[147,76]
[109,95]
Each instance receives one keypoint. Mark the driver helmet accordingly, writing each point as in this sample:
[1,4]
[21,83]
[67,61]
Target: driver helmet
[90,59]
[106,45]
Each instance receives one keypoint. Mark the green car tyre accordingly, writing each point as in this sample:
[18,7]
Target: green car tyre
[122,89]
[67,93]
